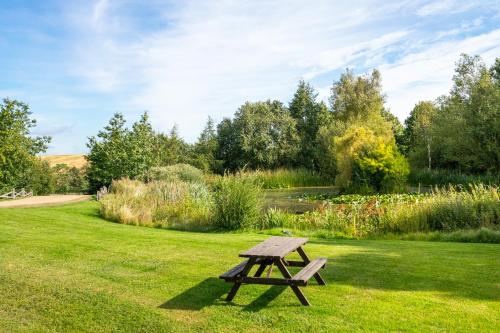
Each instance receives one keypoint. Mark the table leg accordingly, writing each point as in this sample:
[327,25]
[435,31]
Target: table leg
[306,259]
[237,285]
[261,269]
[300,295]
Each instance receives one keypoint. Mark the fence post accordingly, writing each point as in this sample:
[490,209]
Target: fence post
[13,193]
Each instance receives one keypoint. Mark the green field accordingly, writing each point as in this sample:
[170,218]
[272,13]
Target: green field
[65,269]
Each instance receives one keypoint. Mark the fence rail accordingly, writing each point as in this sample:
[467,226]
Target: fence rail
[14,194]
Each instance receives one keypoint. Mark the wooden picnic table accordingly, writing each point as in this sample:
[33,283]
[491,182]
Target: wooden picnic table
[273,252]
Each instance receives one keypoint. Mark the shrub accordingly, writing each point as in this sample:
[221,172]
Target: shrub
[237,203]
[368,163]
[183,172]
[69,179]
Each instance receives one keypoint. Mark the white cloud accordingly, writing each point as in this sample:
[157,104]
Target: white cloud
[427,74]
[213,56]
[218,55]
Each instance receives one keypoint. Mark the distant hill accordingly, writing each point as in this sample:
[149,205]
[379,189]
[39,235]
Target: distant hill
[73,160]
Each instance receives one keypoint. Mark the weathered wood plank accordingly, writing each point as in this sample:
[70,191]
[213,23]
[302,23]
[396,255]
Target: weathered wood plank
[233,272]
[311,269]
[275,247]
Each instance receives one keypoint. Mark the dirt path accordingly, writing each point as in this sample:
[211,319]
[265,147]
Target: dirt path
[43,200]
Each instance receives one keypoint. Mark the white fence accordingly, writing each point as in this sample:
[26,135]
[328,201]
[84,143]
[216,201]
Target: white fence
[14,194]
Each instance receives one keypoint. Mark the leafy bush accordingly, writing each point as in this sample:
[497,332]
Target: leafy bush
[69,179]
[183,172]
[172,204]
[368,163]
[237,203]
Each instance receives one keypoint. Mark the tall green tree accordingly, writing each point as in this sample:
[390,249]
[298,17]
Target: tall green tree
[17,147]
[357,98]
[309,115]
[466,127]
[205,148]
[261,135]
[117,152]
[172,149]
[419,133]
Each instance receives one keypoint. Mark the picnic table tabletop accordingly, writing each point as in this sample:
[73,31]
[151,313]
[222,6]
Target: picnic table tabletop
[275,247]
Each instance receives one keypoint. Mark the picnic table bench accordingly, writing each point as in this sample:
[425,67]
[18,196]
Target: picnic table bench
[273,252]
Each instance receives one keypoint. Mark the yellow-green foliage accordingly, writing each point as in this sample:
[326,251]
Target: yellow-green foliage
[368,162]
[174,204]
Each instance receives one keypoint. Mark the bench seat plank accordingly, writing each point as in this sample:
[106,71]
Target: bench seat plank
[233,272]
[309,270]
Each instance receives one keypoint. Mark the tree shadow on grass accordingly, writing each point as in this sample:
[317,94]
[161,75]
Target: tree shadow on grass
[210,291]
[205,293]
[407,272]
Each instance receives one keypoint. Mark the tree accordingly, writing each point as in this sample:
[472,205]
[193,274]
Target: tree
[118,152]
[229,146]
[17,147]
[467,126]
[419,133]
[205,148]
[398,130]
[356,101]
[261,135]
[268,134]
[357,98]
[171,148]
[309,116]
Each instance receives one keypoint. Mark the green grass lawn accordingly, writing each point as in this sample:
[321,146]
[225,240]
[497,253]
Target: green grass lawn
[65,269]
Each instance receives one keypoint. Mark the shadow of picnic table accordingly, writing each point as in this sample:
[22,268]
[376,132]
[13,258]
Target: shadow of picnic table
[210,291]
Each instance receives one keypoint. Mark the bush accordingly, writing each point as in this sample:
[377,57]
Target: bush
[183,172]
[237,203]
[69,179]
[172,204]
[368,163]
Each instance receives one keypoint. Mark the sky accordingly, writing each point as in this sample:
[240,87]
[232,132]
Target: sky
[76,63]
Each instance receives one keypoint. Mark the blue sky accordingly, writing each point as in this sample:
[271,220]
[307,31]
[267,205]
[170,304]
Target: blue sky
[77,62]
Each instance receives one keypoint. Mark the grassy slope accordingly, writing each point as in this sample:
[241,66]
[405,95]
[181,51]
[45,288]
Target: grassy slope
[65,269]
[73,160]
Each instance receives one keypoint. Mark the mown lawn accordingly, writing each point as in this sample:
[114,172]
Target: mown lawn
[66,269]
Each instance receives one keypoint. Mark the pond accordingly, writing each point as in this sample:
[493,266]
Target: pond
[289,199]
[292,199]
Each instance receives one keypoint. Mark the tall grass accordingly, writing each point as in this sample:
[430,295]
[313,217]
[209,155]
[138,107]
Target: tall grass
[237,203]
[286,178]
[445,177]
[183,172]
[446,210]
[172,204]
